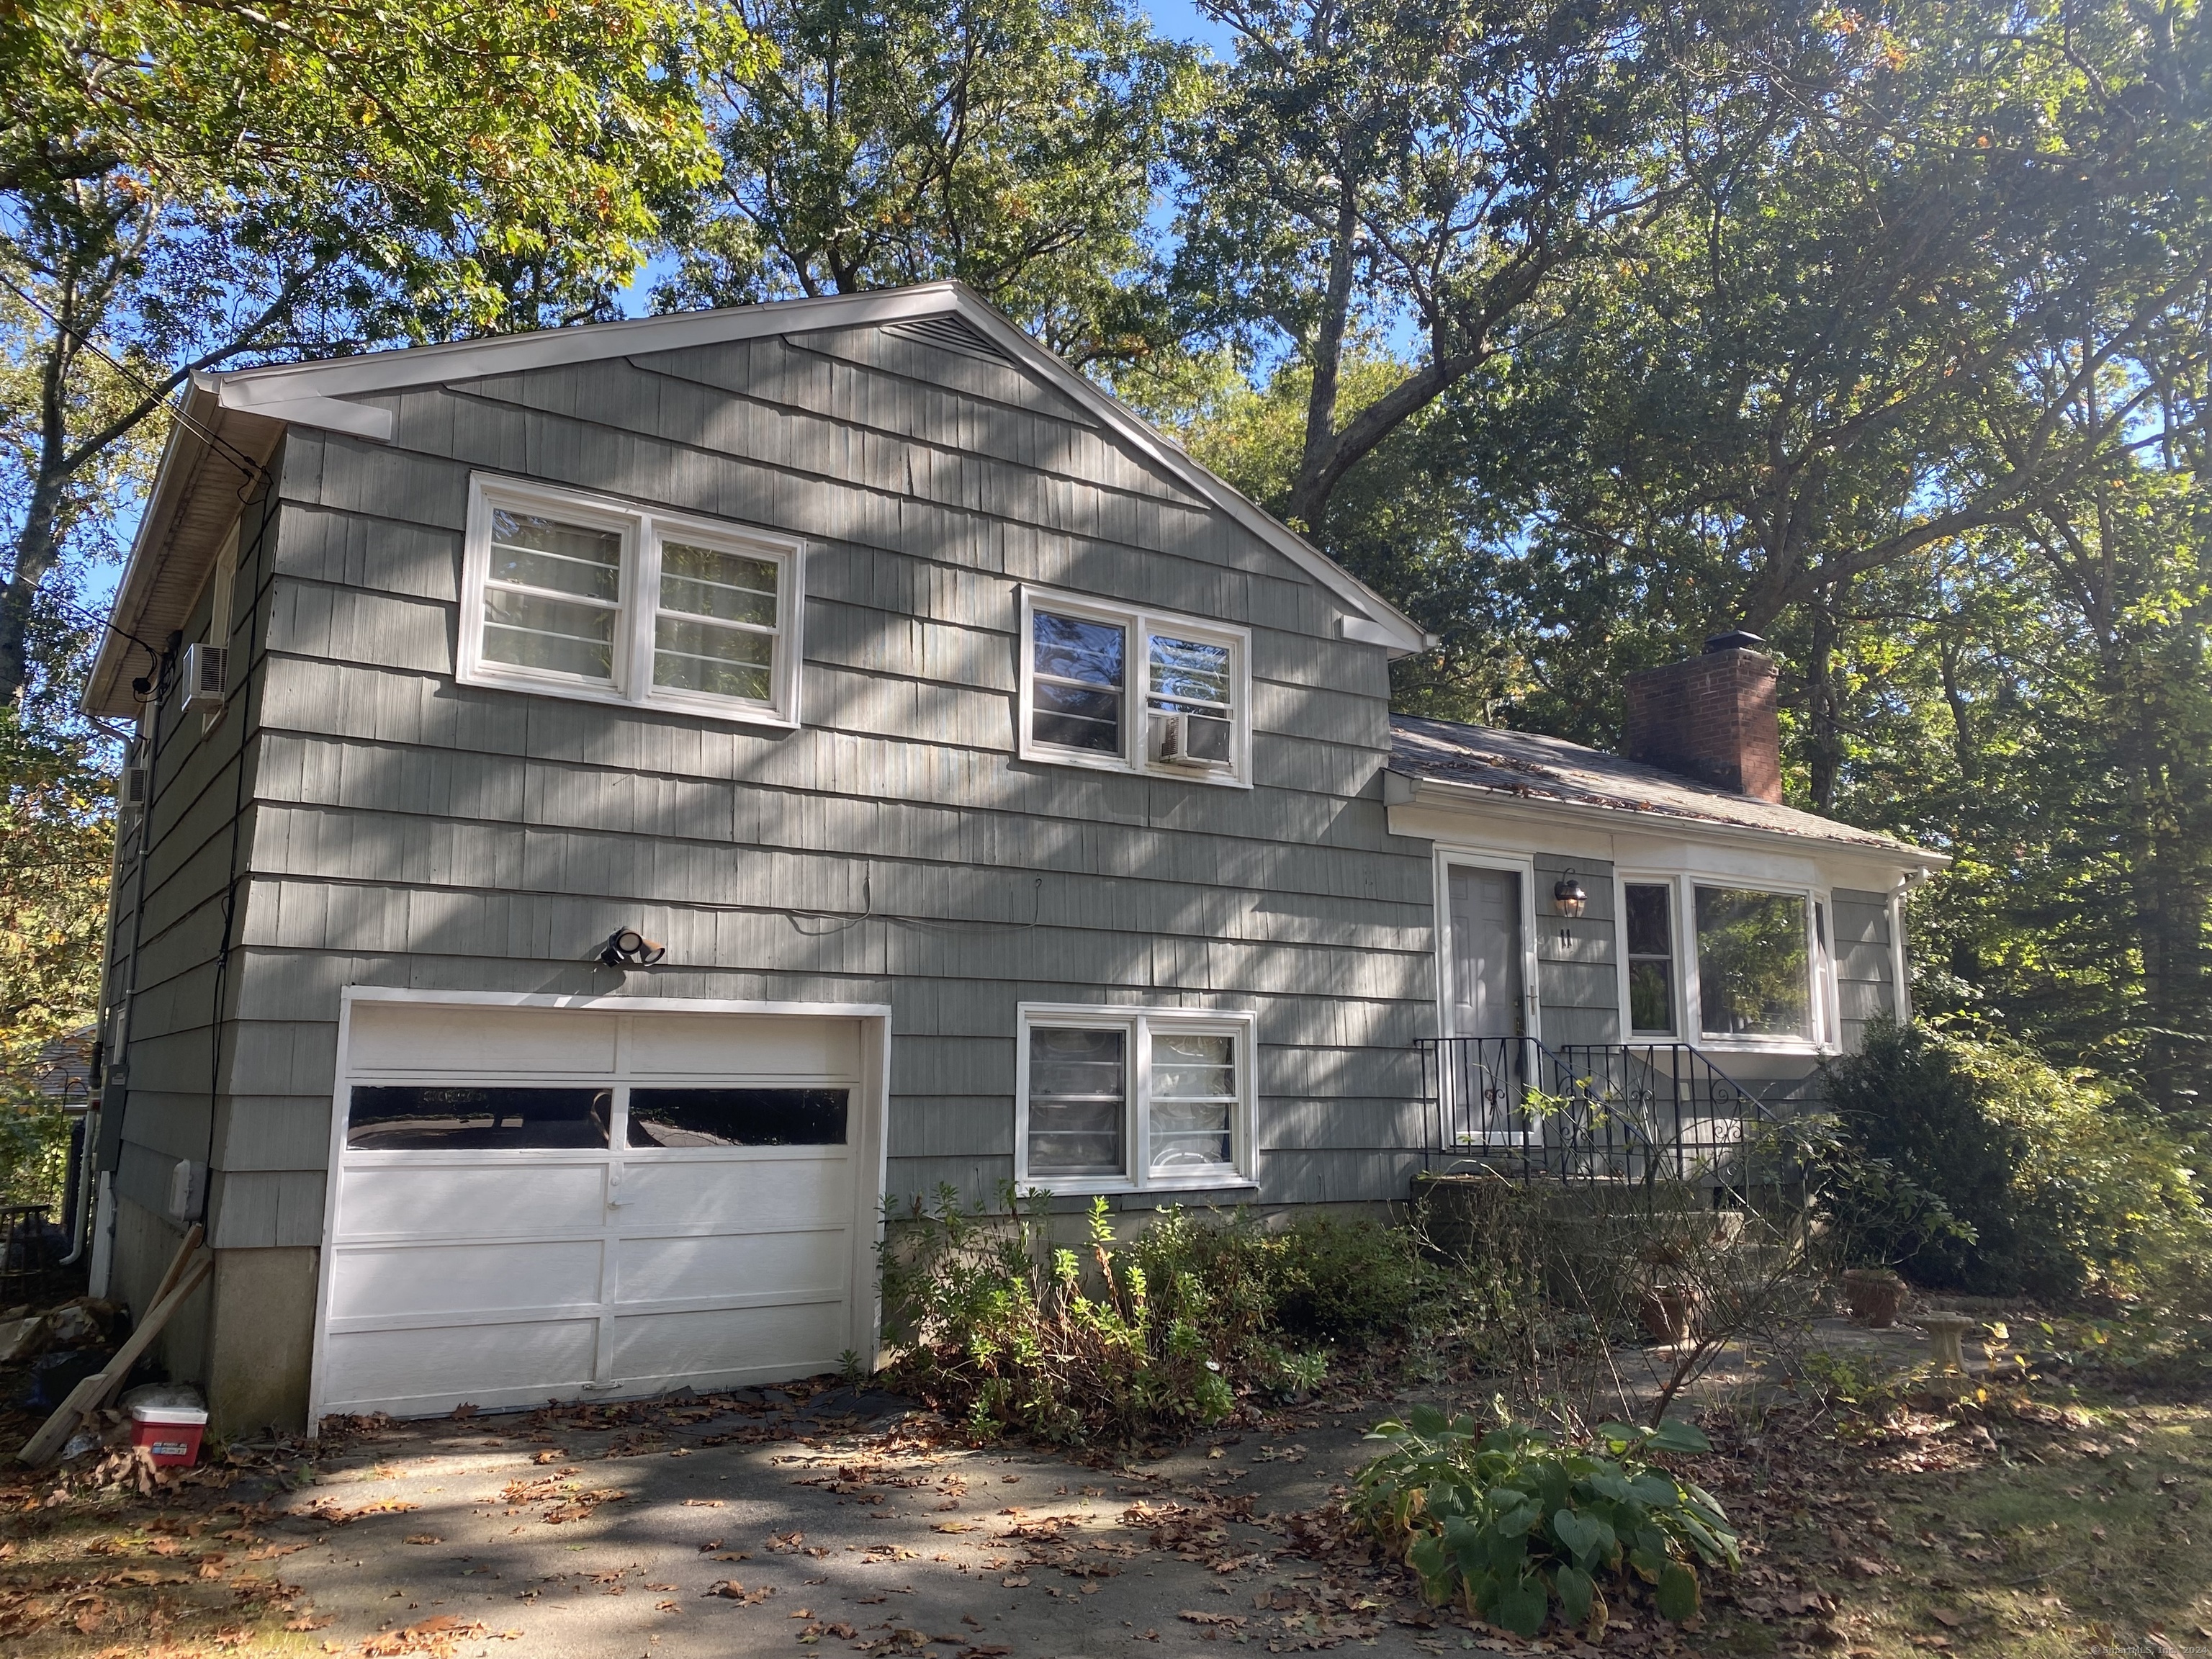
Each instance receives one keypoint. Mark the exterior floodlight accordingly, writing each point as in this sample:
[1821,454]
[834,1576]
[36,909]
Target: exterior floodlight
[628,948]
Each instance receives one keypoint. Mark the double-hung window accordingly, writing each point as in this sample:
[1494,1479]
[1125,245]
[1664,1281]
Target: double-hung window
[1134,690]
[579,596]
[1122,1099]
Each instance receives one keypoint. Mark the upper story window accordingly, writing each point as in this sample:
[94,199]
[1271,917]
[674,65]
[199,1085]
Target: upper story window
[1120,1099]
[578,597]
[1754,964]
[1134,690]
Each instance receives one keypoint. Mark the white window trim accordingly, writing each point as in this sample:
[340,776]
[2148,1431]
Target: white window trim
[1136,1128]
[1517,864]
[1672,880]
[1819,967]
[643,530]
[1135,755]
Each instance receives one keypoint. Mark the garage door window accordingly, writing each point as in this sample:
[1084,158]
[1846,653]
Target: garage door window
[1116,1100]
[737,1117]
[404,1119]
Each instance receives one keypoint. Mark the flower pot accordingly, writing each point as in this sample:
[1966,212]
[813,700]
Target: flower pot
[1666,1311]
[1874,1296]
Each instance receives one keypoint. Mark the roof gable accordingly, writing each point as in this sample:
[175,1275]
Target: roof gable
[254,404]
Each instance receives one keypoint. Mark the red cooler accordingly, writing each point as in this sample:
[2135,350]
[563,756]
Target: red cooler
[170,1434]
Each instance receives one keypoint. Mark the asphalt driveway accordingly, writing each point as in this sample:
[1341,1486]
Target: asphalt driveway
[757,1524]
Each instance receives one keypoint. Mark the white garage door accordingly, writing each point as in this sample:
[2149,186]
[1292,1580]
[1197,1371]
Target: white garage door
[533,1203]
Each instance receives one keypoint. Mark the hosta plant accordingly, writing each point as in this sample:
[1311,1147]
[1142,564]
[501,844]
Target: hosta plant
[1511,1524]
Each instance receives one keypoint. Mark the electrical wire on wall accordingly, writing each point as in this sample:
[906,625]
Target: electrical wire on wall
[840,922]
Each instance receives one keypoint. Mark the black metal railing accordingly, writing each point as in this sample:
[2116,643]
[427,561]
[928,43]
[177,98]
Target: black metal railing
[1617,1111]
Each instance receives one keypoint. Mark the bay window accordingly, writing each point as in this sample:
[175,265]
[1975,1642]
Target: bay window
[1754,963]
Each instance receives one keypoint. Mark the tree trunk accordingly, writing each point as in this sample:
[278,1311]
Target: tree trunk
[36,550]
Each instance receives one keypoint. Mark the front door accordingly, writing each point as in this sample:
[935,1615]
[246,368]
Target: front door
[1485,940]
[1482,1076]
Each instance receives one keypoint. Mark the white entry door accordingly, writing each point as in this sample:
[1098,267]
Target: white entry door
[537,1203]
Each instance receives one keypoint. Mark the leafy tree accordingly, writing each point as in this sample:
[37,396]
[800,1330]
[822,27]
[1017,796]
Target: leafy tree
[1013,144]
[186,183]
[1462,169]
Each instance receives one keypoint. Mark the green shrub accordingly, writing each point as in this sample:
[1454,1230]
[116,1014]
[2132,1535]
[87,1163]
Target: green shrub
[2053,1183]
[1153,1334]
[1510,1524]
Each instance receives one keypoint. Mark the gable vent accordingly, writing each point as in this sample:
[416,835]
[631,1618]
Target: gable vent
[951,332]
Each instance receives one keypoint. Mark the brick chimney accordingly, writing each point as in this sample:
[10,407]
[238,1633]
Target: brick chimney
[1711,718]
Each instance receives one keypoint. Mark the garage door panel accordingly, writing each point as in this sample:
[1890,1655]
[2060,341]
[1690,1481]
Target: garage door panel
[764,1194]
[722,1245]
[399,1200]
[431,1041]
[744,1046]
[470,1361]
[667,1269]
[454,1278]
[783,1341]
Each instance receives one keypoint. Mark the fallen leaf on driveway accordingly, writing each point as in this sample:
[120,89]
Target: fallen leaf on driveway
[1019,1581]
[424,1537]
[1227,1620]
[956,1526]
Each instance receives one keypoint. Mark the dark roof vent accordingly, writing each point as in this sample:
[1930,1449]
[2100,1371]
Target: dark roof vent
[951,332]
[1735,640]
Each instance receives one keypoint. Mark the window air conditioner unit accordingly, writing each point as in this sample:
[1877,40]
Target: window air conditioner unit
[1201,742]
[207,672]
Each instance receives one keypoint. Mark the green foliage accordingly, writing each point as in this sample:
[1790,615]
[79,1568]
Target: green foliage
[1513,1525]
[2054,1181]
[1151,1334]
[1013,144]
[186,185]
[55,824]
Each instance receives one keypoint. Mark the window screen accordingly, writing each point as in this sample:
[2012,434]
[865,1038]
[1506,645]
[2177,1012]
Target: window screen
[1192,678]
[715,630]
[408,1118]
[1754,978]
[1193,1098]
[1078,680]
[1078,1087]
[737,1117]
[1650,959]
[552,596]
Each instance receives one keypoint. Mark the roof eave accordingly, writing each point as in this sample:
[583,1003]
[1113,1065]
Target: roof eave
[1437,791]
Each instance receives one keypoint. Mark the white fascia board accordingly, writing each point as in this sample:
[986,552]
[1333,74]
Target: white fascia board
[1401,790]
[306,393]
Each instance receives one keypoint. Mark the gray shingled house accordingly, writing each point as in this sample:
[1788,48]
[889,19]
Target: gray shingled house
[610,807]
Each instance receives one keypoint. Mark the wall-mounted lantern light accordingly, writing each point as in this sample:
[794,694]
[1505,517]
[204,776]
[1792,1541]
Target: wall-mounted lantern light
[1568,895]
[628,948]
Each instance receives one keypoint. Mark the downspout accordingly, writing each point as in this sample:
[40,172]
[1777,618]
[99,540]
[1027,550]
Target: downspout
[138,927]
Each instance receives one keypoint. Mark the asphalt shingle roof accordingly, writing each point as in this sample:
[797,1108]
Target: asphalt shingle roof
[1532,767]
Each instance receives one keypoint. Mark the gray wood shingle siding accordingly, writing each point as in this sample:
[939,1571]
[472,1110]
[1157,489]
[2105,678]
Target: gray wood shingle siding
[1866,963]
[410,831]
[1577,978]
[199,821]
